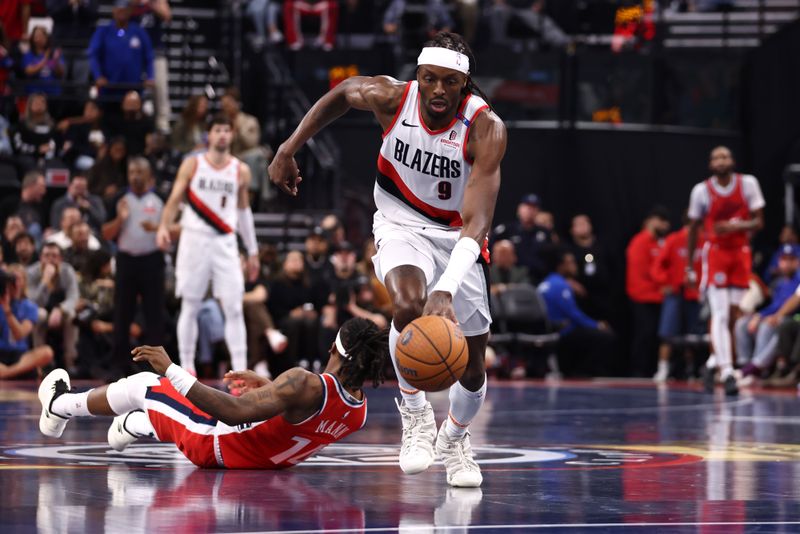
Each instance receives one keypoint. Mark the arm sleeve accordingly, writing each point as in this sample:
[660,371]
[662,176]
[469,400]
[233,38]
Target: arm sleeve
[247,230]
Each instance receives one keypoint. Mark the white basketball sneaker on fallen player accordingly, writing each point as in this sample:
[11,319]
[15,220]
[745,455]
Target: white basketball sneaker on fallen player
[56,383]
[456,453]
[419,434]
[119,436]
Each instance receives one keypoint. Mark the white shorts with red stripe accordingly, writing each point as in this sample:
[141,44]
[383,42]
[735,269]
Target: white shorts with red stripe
[429,249]
[176,420]
[203,258]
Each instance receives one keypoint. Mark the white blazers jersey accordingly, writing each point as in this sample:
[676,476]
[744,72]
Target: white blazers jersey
[213,197]
[422,174]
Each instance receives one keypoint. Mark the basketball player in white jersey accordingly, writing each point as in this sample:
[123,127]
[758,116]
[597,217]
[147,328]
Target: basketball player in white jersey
[214,186]
[437,182]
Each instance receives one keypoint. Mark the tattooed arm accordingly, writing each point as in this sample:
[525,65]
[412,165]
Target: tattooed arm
[296,391]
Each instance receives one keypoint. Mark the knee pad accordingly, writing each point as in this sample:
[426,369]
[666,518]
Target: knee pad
[128,393]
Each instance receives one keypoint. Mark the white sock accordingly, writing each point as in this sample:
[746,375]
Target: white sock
[711,362]
[413,398]
[72,405]
[235,333]
[187,332]
[138,423]
[464,405]
[663,365]
[719,299]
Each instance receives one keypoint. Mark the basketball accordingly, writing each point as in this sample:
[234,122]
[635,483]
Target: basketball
[432,353]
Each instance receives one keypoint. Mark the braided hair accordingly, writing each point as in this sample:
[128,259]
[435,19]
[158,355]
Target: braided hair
[368,350]
[453,41]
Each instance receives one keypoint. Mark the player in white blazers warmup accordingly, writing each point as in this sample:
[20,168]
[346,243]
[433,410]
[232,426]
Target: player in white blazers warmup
[214,185]
[437,181]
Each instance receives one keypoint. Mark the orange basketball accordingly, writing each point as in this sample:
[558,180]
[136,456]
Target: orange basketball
[432,353]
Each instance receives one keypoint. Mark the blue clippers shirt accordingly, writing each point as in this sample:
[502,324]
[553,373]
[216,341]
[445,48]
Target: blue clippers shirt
[561,305]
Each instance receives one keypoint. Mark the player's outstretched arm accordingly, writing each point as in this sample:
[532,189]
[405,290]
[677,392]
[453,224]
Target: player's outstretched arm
[170,210]
[295,389]
[487,146]
[379,94]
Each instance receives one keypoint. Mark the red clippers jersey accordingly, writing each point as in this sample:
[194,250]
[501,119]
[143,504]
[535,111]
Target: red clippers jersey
[276,443]
[669,267]
[725,208]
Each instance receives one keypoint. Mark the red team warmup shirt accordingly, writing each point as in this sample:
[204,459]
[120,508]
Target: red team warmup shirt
[669,268]
[271,444]
[641,254]
[727,259]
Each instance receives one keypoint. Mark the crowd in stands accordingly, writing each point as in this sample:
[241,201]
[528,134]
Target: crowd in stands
[83,189]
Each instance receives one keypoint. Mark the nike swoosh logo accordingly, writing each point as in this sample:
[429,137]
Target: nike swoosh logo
[404,123]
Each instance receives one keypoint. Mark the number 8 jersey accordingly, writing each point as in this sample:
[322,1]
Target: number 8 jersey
[422,173]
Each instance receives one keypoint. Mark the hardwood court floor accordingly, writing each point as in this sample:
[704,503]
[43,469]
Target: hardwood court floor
[595,456]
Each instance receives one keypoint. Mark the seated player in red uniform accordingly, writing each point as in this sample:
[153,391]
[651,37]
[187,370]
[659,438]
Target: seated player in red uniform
[272,425]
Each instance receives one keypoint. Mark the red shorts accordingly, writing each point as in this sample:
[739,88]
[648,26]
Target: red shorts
[726,267]
[178,421]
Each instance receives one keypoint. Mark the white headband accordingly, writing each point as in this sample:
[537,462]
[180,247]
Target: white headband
[340,346]
[444,57]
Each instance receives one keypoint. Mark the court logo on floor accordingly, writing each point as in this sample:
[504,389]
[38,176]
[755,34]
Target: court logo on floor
[356,455]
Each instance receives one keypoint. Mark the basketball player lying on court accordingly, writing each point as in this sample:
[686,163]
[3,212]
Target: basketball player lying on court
[272,425]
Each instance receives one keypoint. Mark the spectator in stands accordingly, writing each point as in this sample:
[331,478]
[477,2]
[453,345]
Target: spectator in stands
[83,137]
[246,143]
[78,196]
[546,220]
[139,262]
[586,345]
[261,328]
[14,14]
[70,216]
[210,335]
[291,304]
[152,15]
[531,15]
[317,260]
[19,315]
[35,137]
[12,228]
[334,230]
[190,132]
[6,61]
[788,236]
[25,249]
[504,270]
[161,159]
[81,237]
[437,17]
[94,316]
[326,10]
[592,286]
[107,176]
[528,238]
[133,124]
[120,53]
[756,334]
[644,292]
[5,126]
[73,20]
[53,286]
[28,205]
[43,63]
[264,14]
[680,310]
[382,300]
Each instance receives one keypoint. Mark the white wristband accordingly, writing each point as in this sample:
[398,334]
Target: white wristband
[463,257]
[180,378]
